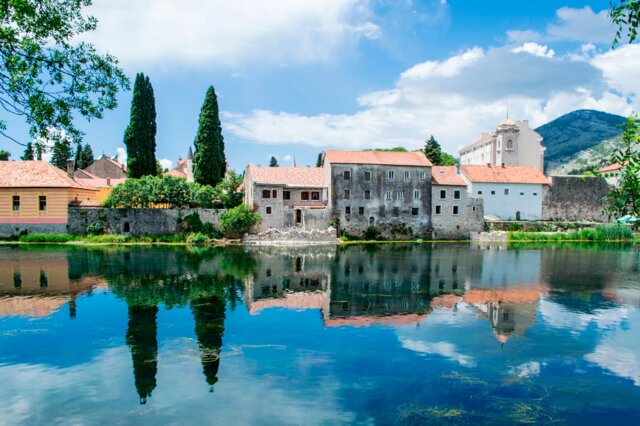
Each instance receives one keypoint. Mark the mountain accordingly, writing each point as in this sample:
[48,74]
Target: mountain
[568,135]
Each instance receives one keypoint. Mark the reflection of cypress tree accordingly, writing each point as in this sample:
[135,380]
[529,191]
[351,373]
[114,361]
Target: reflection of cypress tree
[208,313]
[143,343]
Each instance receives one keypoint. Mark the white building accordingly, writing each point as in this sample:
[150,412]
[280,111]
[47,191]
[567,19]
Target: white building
[513,143]
[508,192]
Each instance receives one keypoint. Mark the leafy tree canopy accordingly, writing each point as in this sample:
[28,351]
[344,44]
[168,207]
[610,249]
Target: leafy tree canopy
[4,155]
[625,17]
[45,75]
[28,153]
[238,220]
[624,199]
[436,155]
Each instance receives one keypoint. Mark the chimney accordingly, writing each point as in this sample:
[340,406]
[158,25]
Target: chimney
[70,167]
[489,165]
[503,165]
[108,181]
[458,168]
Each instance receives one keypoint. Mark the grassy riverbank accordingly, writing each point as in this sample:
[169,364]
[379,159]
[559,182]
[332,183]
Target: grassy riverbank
[602,233]
[113,239]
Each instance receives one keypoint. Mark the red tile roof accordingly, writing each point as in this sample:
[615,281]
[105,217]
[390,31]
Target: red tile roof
[506,174]
[446,175]
[366,321]
[176,173]
[291,176]
[36,174]
[98,182]
[611,168]
[389,158]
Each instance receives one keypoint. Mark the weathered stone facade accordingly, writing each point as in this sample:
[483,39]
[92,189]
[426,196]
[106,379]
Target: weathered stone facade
[455,214]
[575,198]
[136,222]
[8,230]
[383,196]
[107,168]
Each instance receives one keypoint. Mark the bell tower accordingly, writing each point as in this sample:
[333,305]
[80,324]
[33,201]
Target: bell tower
[507,143]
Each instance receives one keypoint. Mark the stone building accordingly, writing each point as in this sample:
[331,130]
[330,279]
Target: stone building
[455,213]
[287,197]
[388,190]
[184,168]
[104,168]
[513,143]
[508,192]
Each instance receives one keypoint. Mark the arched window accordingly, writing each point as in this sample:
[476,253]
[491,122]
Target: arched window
[509,144]
[371,221]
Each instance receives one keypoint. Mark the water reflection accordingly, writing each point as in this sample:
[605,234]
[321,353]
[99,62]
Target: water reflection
[506,311]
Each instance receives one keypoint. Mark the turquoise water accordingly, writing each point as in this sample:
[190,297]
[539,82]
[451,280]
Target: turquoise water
[371,334]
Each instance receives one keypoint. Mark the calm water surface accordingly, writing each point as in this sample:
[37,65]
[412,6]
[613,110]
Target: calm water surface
[375,334]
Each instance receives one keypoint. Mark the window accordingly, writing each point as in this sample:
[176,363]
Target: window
[266,193]
[274,194]
[522,193]
[16,203]
[416,194]
[535,193]
[361,211]
[387,195]
[304,195]
[456,210]
[42,202]
[391,174]
[347,210]
[456,194]
[367,175]
[407,176]
[367,194]
[438,209]
[315,195]
[347,194]
[493,192]
[414,211]
[399,195]
[286,195]
[509,144]
[347,174]
[479,192]
[268,210]
[396,211]
[268,273]
[506,191]
[422,175]
[443,194]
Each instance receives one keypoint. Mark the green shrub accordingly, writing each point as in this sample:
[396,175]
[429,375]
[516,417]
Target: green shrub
[193,222]
[107,238]
[47,238]
[197,239]
[371,233]
[615,232]
[210,230]
[238,220]
[95,228]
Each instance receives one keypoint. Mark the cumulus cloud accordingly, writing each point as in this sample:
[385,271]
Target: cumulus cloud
[582,25]
[458,97]
[228,33]
[121,155]
[166,163]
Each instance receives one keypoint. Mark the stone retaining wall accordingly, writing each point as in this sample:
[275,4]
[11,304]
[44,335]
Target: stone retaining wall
[575,198]
[292,236]
[8,230]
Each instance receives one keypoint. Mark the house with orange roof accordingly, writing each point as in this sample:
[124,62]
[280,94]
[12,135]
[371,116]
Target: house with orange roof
[382,189]
[513,143]
[35,196]
[287,197]
[184,168]
[455,212]
[612,173]
[103,185]
[508,192]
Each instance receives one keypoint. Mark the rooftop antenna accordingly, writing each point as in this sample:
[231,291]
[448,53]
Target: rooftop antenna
[294,161]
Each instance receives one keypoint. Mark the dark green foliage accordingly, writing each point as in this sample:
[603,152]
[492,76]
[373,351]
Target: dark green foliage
[602,233]
[28,155]
[625,18]
[46,238]
[273,162]
[210,230]
[4,155]
[47,75]
[143,342]
[371,233]
[209,162]
[193,222]
[61,152]
[624,199]
[95,228]
[432,150]
[140,135]
[78,159]
[209,314]
[84,156]
[238,220]
[204,196]
[447,159]
[576,131]
[227,190]
[319,160]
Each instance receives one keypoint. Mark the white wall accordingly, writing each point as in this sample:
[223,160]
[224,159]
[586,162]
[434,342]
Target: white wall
[506,206]
[531,152]
[482,154]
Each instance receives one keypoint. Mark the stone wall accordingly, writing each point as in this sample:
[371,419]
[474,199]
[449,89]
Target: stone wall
[136,222]
[292,236]
[575,198]
[8,230]
[448,225]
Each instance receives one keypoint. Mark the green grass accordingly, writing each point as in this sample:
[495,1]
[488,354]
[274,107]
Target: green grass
[602,233]
[47,238]
[102,239]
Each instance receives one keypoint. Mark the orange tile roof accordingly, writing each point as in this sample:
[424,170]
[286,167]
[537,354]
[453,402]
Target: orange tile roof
[290,176]
[446,175]
[36,174]
[298,301]
[506,174]
[513,295]
[176,173]
[366,321]
[611,168]
[389,158]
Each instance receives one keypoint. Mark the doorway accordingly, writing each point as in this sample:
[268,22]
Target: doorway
[298,217]
[517,215]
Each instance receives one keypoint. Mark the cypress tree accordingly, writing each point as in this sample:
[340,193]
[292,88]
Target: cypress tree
[78,159]
[87,156]
[140,135]
[273,162]
[60,153]
[209,162]
[319,160]
[433,151]
[28,153]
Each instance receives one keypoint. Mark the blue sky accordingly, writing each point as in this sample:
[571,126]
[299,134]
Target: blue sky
[295,77]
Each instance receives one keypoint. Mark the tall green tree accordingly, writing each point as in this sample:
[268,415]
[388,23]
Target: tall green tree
[319,160]
[209,162]
[140,135]
[4,155]
[47,75]
[433,151]
[61,152]
[624,199]
[78,159]
[28,153]
[625,17]
[273,162]
[87,158]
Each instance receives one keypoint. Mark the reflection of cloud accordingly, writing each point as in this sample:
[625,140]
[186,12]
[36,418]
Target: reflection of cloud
[559,316]
[444,349]
[528,369]
[619,351]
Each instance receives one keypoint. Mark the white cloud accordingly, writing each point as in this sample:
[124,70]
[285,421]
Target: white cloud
[458,97]
[287,158]
[166,164]
[582,25]
[228,33]
[121,155]
[535,49]
[528,369]
[444,349]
